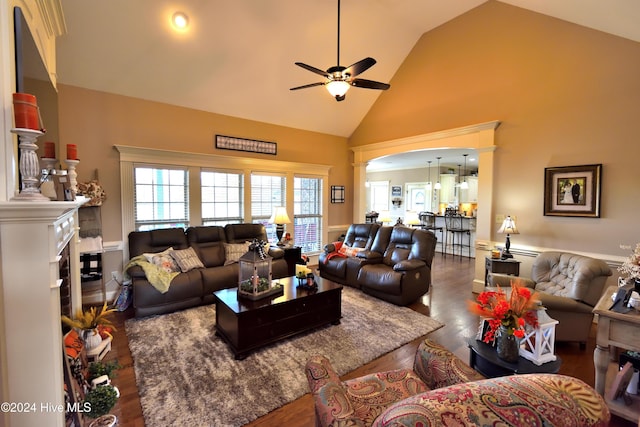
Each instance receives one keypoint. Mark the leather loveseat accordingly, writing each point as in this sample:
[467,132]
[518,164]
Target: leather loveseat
[569,286]
[390,263]
[196,286]
[442,390]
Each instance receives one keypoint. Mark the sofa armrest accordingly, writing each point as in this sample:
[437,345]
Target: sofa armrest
[332,404]
[409,264]
[276,252]
[438,367]
[531,399]
[369,255]
[504,280]
[136,272]
[329,247]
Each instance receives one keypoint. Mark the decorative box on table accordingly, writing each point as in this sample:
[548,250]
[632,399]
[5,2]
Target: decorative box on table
[255,277]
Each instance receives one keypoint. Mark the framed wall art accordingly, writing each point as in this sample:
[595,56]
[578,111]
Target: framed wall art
[337,194]
[249,145]
[572,191]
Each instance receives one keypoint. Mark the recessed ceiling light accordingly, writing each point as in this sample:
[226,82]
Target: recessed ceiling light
[180,20]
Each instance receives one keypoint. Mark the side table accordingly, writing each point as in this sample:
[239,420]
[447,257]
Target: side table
[498,265]
[618,330]
[292,254]
[484,359]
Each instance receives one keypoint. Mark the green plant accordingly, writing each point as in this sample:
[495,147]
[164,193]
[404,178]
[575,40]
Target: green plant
[90,319]
[101,400]
[97,369]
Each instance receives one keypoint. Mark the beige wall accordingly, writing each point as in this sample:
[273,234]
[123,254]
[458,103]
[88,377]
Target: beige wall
[565,95]
[96,121]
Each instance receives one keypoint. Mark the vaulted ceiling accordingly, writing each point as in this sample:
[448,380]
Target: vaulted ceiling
[237,57]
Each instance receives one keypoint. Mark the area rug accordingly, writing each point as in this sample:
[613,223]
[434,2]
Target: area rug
[188,376]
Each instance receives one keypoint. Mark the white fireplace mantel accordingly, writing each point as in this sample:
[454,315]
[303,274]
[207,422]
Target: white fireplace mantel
[32,236]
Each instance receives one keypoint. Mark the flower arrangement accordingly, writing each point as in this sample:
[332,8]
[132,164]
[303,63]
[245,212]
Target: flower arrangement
[631,265]
[90,319]
[513,311]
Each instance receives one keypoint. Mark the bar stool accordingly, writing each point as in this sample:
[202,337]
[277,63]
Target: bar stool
[428,221]
[457,230]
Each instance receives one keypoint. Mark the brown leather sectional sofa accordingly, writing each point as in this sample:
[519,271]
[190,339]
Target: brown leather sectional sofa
[392,263]
[196,286]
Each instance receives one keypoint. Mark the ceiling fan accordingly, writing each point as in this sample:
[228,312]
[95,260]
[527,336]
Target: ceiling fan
[339,78]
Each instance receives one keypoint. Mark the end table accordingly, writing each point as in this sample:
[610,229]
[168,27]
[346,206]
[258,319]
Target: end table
[499,265]
[484,359]
[292,254]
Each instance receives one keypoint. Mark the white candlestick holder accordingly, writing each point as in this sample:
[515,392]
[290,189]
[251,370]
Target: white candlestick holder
[29,165]
[73,175]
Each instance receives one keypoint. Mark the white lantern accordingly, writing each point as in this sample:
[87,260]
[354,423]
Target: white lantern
[538,343]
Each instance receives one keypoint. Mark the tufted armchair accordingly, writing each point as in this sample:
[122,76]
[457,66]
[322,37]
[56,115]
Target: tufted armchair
[443,390]
[569,286]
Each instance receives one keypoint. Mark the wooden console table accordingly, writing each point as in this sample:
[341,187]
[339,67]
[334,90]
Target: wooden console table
[615,330]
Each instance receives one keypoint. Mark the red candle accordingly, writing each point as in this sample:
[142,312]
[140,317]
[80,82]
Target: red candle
[72,152]
[49,150]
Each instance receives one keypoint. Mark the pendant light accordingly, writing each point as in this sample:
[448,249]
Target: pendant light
[430,183]
[438,186]
[464,185]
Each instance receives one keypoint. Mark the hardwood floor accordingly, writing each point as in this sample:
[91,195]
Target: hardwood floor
[446,302]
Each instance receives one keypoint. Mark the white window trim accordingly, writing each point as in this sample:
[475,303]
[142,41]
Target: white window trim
[130,155]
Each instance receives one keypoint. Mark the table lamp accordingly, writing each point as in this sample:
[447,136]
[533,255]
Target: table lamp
[411,218]
[384,217]
[508,227]
[279,218]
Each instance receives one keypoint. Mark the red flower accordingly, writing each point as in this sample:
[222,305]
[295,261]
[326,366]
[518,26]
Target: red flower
[513,313]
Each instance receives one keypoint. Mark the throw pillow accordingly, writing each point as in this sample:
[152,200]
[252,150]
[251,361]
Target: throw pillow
[233,252]
[163,260]
[349,251]
[149,256]
[187,259]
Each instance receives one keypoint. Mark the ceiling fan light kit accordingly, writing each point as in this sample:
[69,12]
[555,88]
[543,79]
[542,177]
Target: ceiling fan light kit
[339,79]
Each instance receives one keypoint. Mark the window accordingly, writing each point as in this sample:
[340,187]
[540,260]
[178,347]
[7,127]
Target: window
[267,192]
[161,189]
[222,197]
[379,196]
[307,212]
[160,198]
[419,196]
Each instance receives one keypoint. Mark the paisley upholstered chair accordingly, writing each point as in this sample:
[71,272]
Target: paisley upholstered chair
[443,390]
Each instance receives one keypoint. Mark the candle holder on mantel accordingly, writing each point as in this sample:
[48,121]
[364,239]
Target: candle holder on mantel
[29,166]
[73,175]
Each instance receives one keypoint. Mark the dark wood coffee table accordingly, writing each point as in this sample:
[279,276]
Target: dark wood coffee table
[246,325]
[484,359]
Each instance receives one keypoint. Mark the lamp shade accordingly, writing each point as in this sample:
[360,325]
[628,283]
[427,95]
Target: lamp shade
[280,216]
[411,218]
[508,226]
[385,216]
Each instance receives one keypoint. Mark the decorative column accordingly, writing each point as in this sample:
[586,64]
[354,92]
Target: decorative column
[29,165]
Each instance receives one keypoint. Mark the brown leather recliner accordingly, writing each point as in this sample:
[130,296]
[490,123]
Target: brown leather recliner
[404,273]
[344,270]
[569,286]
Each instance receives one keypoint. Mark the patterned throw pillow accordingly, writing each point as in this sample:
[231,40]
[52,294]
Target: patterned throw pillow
[187,259]
[233,251]
[163,260]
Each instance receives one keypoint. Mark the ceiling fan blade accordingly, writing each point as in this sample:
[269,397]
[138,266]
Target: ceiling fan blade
[313,69]
[306,86]
[369,84]
[360,67]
